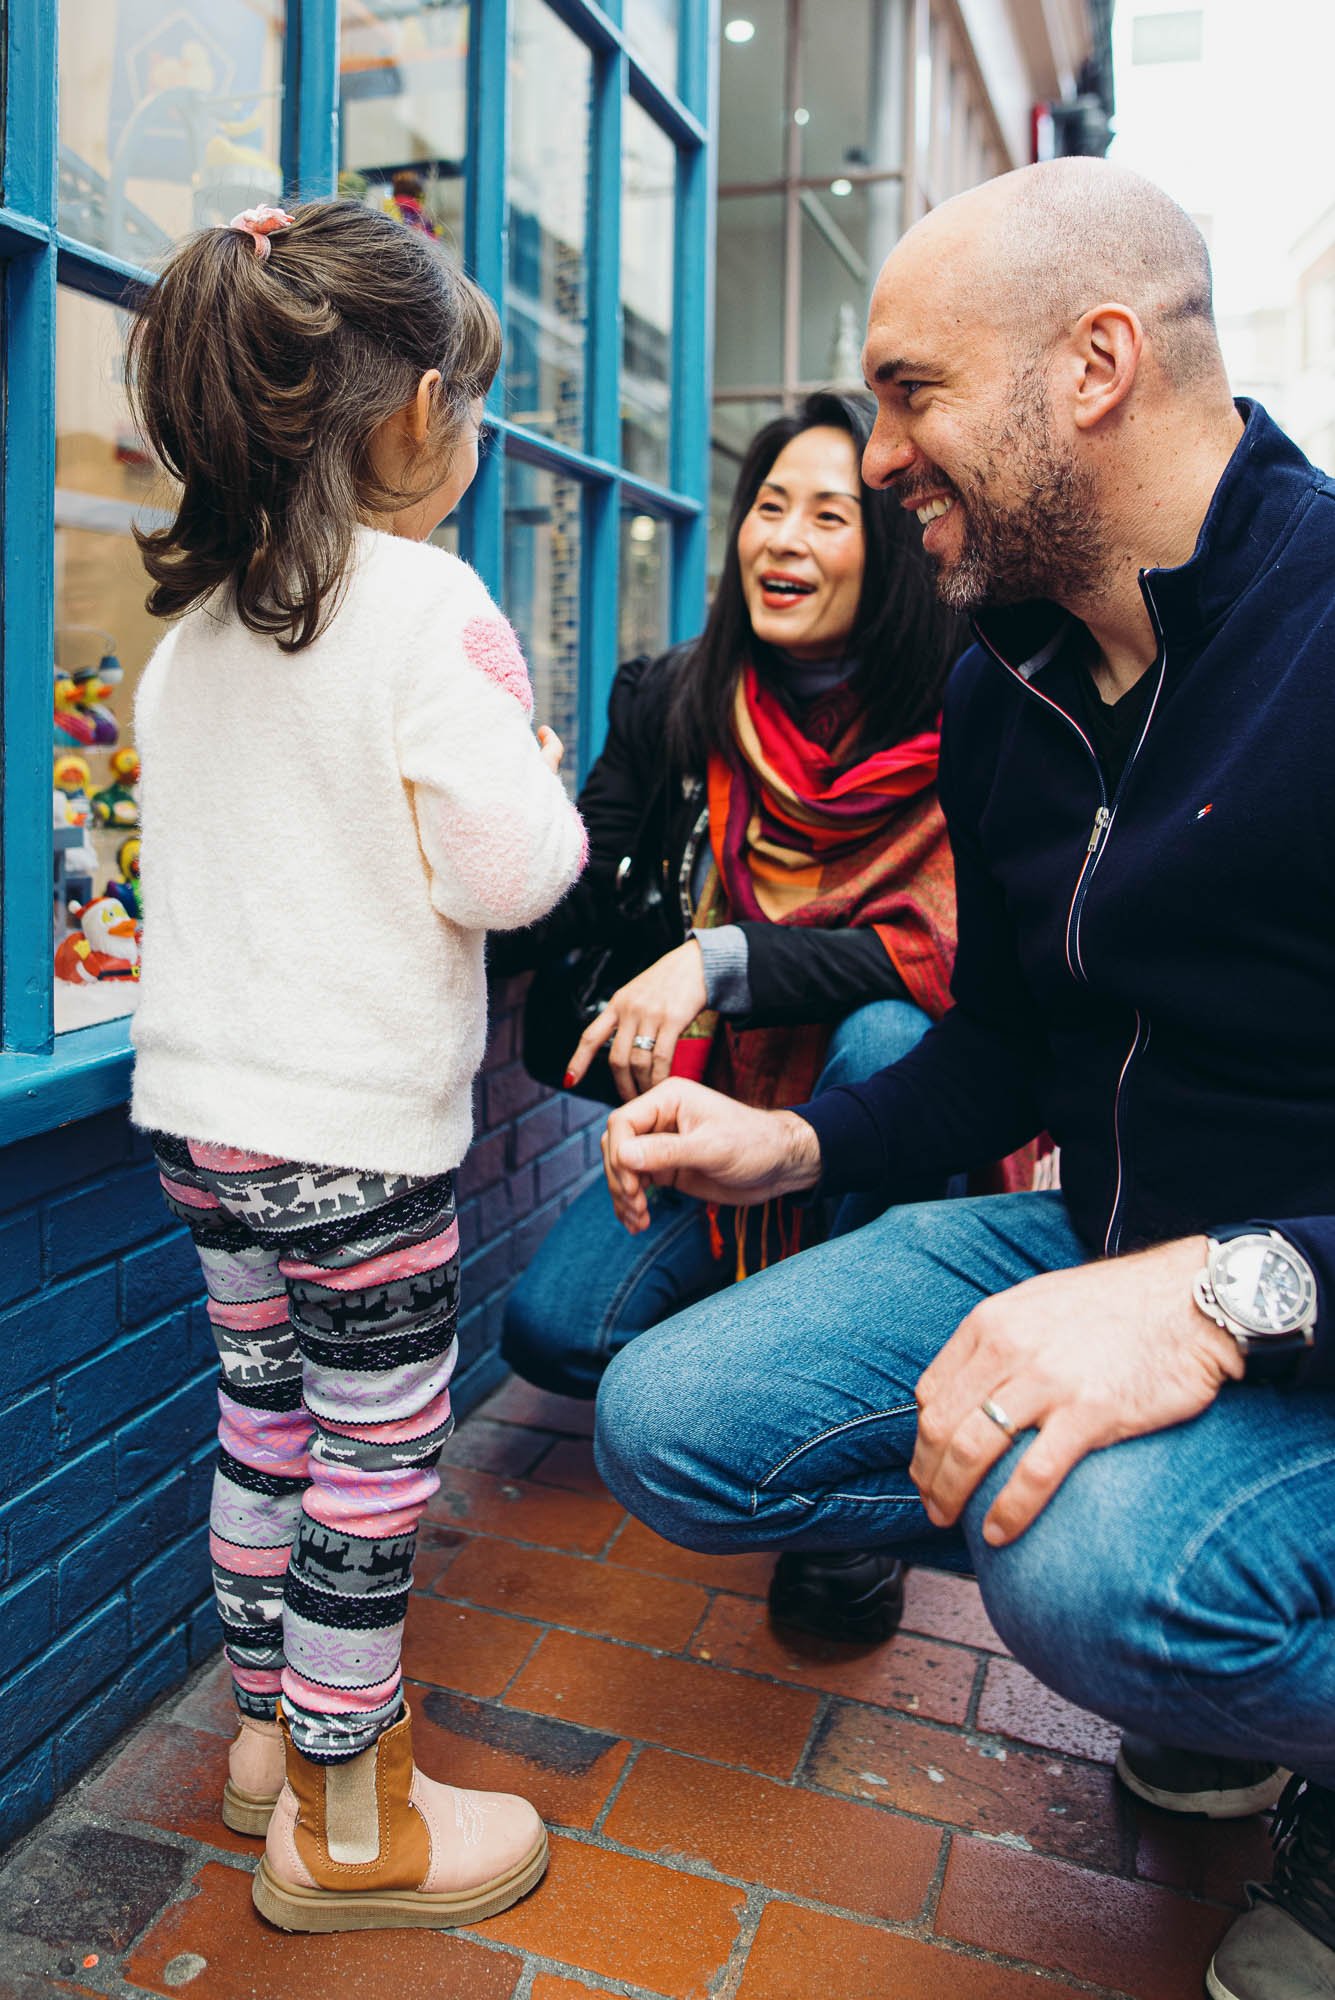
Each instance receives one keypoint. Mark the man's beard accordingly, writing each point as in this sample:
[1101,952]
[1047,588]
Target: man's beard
[1047,544]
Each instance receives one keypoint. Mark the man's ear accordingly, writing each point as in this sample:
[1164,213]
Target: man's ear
[1107,341]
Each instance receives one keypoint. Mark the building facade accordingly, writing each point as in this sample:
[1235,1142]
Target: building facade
[561,149]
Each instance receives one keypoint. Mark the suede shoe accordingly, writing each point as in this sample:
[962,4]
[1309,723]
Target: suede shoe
[1194,1781]
[1283,1947]
[853,1594]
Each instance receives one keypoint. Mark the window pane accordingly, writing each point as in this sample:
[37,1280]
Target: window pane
[749,278]
[550,70]
[649,180]
[403,81]
[752,122]
[645,614]
[103,638]
[852,85]
[169,118]
[540,592]
[838,271]
[653,28]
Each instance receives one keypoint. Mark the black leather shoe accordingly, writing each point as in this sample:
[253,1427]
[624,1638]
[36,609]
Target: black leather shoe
[856,1594]
[1193,1781]
[1283,1947]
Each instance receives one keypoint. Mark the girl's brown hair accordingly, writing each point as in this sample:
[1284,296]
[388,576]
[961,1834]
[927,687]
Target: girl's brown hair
[260,382]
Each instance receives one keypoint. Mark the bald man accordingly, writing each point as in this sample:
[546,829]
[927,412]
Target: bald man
[1114,1403]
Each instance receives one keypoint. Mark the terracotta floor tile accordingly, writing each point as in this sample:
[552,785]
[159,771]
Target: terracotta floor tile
[504,1449]
[548,1987]
[798,1842]
[1132,1936]
[1014,1704]
[908,1673]
[638,1547]
[570,1463]
[567,1772]
[1057,1806]
[1204,1857]
[246,1959]
[172,1777]
[453,1646]
[680,1704]
[570,1590]
[794,1951]
[517,1402]
[436,1549]
[948,1607]
[210,1704]
[616,1916]
[522,1511]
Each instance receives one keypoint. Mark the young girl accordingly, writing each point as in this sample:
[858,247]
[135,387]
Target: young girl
[341,795]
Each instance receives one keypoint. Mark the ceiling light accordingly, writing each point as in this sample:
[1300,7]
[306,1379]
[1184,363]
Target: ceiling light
[801,116]
[739,29]
[841,186]
[643,528]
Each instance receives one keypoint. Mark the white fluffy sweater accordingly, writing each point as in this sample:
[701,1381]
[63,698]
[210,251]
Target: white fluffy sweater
[327,837]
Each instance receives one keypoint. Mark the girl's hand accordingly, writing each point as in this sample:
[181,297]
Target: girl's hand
[551,746]
[654,1007]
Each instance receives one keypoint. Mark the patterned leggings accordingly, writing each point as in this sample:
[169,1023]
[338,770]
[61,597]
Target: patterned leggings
[333,1297]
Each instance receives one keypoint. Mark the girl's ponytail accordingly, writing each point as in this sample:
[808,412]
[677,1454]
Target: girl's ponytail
[260,381]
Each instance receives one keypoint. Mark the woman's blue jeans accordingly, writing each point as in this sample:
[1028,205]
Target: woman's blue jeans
[1182,1584]
[592,1288]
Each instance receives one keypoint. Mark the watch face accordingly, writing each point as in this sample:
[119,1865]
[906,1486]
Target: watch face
[1263,1284]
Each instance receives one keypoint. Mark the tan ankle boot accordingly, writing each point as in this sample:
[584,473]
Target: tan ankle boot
[254,1777]
[373,1844]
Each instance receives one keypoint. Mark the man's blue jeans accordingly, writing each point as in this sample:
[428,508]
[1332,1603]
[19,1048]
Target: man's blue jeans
[592,1288]
[1181,1584]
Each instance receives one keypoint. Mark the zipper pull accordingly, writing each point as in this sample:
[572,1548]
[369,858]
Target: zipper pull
[1101,819]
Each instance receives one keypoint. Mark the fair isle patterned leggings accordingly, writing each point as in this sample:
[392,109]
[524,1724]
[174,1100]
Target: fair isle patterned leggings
[333,1297]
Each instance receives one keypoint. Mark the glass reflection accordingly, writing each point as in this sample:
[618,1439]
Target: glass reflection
[541,593]
[645,614]
[403,125]
[649,181]
[653,32]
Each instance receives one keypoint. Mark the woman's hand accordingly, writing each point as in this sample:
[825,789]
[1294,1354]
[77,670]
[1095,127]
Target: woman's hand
[551,746]
[651,1009]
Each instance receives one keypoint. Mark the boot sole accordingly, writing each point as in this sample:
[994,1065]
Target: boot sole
[1240,1803]
[246,1812]
[293,1908]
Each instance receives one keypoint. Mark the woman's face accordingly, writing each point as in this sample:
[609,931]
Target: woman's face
[801,547]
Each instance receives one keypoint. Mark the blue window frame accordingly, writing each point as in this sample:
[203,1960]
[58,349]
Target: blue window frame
[46,1080]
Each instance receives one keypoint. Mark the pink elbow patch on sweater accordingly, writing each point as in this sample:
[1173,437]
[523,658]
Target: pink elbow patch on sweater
[491,646]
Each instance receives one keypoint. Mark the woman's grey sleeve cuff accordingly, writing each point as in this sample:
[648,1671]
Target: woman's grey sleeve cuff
[727,968]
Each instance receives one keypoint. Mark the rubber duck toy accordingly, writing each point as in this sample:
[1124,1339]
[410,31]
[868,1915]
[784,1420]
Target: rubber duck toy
[76,861]
[117,804]
[92,686]
[105,946]
[72,725]
[129,891]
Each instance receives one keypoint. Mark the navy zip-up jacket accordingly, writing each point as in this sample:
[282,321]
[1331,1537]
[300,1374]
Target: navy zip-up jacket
[1149,976]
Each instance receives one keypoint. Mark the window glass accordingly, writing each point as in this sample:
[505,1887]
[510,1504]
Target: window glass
[749,281]
[852,87]
[170,118]
[403,121]
[838,271]
[104,483]
[645,614]
[653,32]
[649,183]
[541,593]
[752,124]
[551,82]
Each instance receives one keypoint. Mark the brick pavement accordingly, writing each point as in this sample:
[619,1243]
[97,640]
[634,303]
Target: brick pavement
[735,1816]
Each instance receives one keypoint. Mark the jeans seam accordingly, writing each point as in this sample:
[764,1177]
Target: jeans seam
[646,1262]
[835,1430]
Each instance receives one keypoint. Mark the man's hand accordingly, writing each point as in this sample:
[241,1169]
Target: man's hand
[654,1007]
[1086,1357]
[684,1136]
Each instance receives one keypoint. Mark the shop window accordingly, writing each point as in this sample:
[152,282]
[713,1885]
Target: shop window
[852,88]
[750,291]
[653,34]
[170,118]
[403,125]
[541,592]
[753,128]
[103,637]
[645,604]
[649,183]
[839,269]
[548,183]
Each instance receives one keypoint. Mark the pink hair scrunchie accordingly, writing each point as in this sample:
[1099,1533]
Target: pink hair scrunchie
[259,224]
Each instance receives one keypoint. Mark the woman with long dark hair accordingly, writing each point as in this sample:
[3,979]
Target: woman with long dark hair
[769,902]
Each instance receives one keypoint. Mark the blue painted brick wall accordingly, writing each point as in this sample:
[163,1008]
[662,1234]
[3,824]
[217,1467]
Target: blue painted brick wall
[107,1406]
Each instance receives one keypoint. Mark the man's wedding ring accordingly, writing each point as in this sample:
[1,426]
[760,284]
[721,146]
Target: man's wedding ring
[645,1042]
[998,1416]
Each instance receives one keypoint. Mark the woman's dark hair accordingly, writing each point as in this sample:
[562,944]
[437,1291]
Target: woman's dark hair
[904,639]
[260,382]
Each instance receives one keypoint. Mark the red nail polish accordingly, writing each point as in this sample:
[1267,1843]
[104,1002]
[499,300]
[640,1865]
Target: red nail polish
[567,1079]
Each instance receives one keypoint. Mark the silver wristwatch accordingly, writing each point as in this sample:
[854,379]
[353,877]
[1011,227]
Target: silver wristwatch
[1261,1290]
